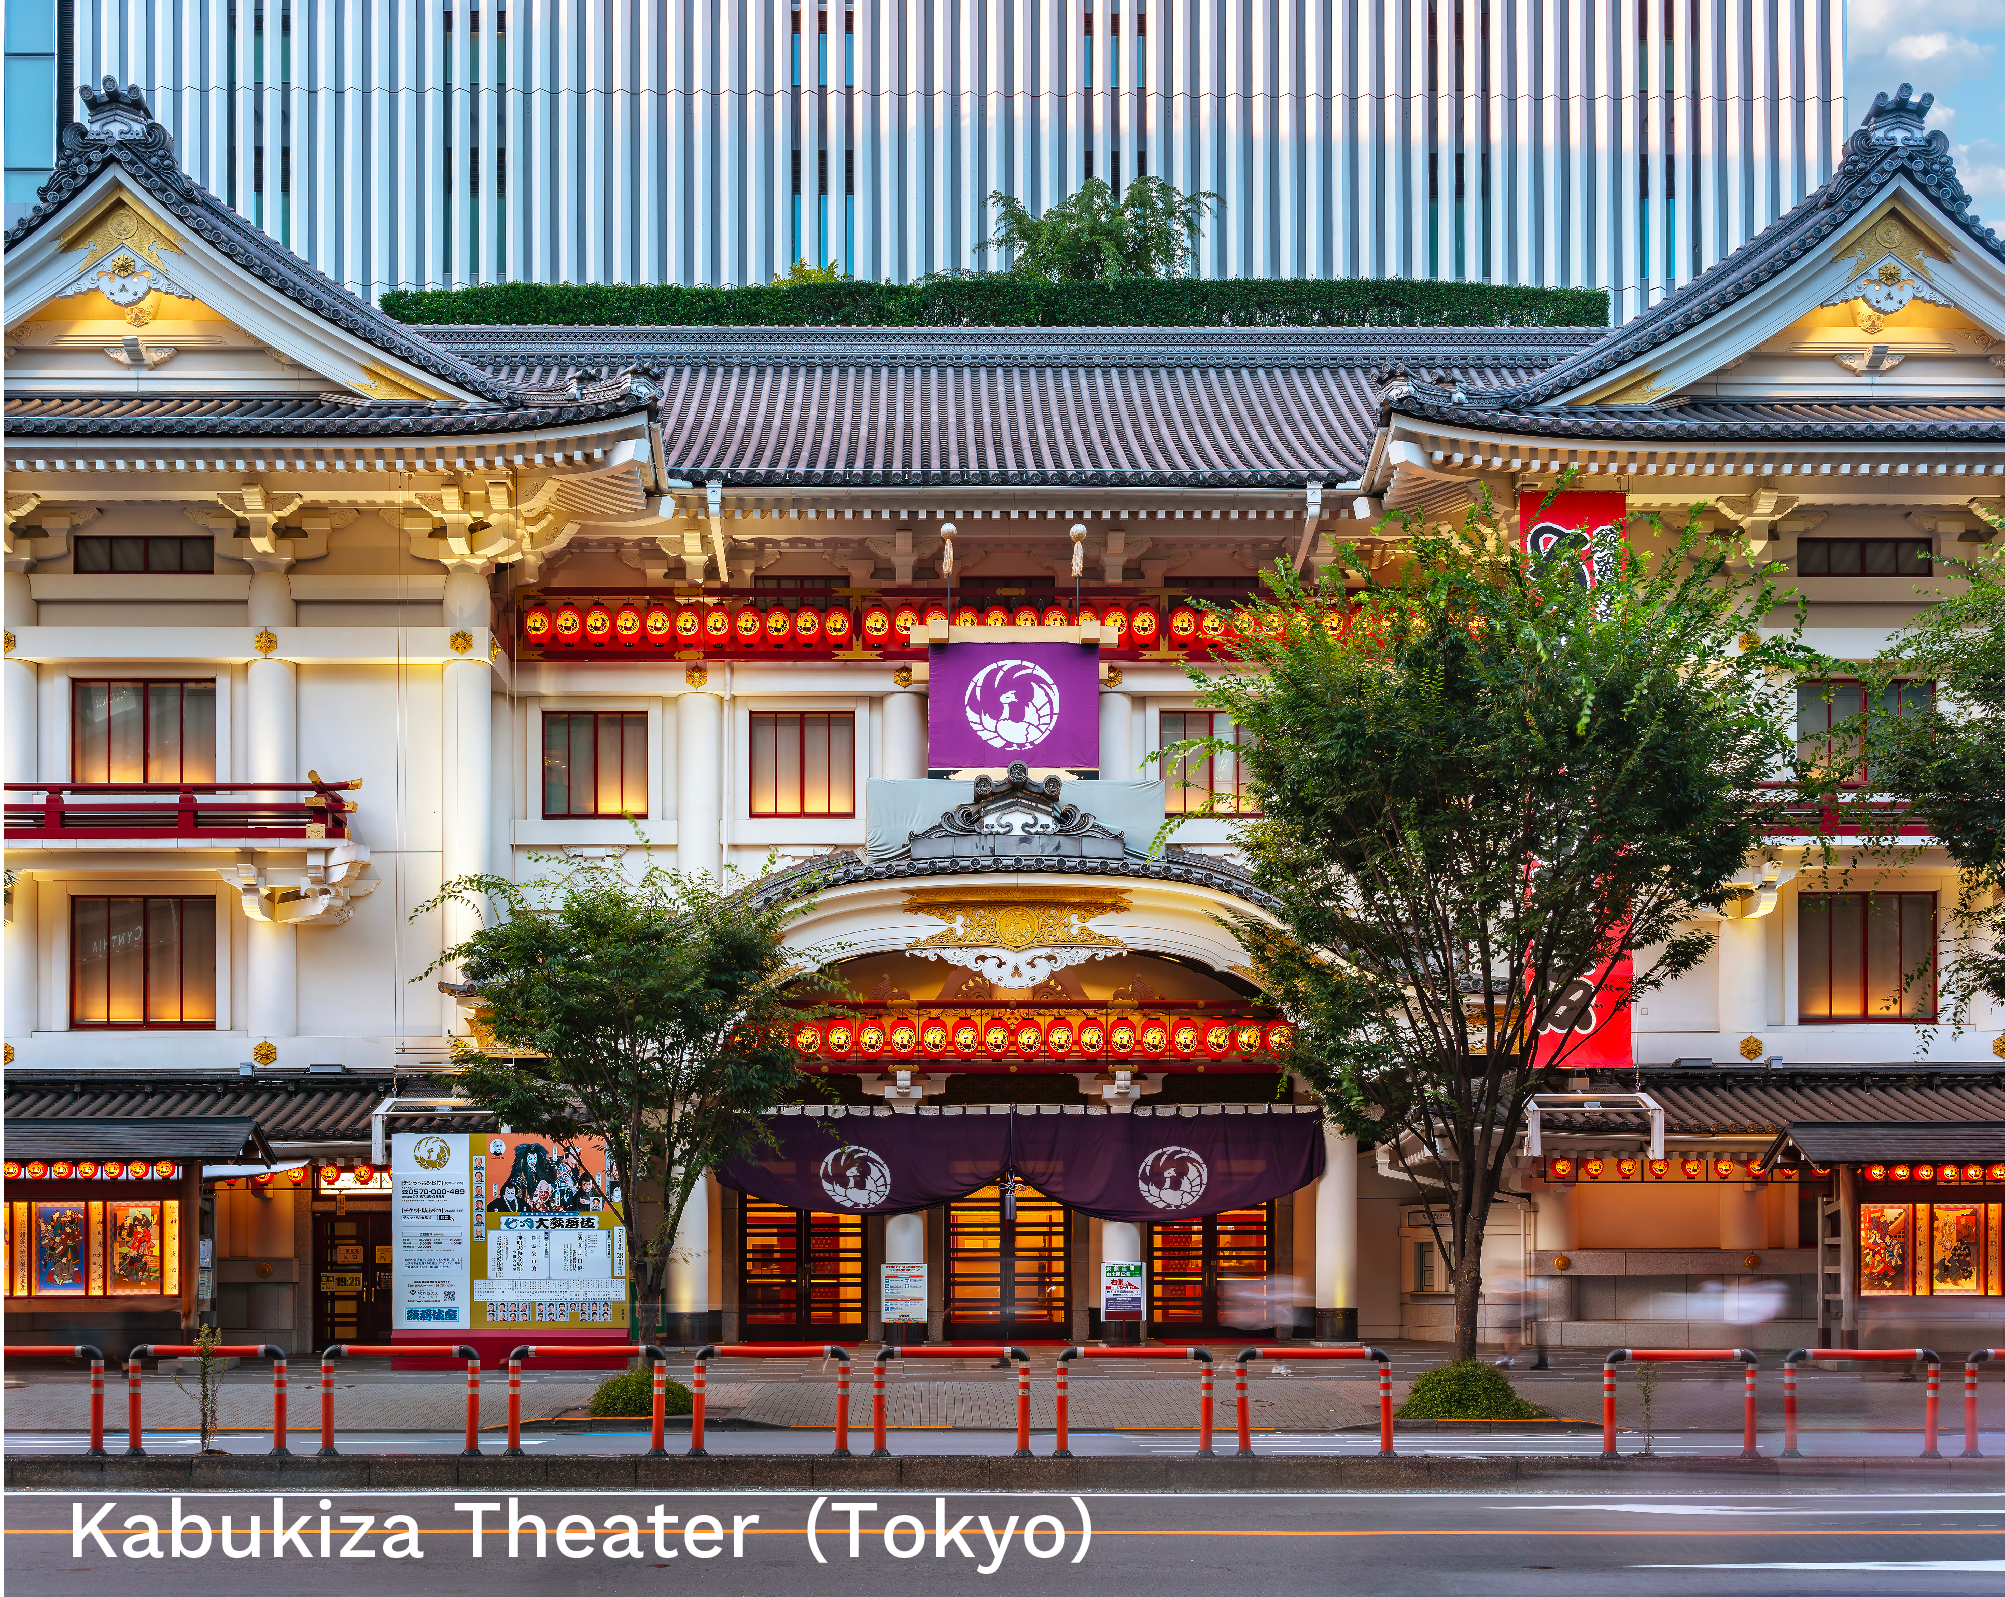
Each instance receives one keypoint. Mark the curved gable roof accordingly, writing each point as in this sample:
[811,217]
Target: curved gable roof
[121,132]
[1891,142]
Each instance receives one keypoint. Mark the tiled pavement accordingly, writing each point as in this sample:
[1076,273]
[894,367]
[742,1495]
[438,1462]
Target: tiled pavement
[1301,1395]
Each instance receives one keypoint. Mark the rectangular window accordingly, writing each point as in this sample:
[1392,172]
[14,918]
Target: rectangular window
[1866,956]
[803,764]
[1864,557]
[1425,1278]
[143,963]
[594,764]
[1937,1249]
[145,554]
[1829,731]
[1211,784]
[143,731]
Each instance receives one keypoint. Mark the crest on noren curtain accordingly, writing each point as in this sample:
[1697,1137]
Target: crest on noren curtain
[1569,526]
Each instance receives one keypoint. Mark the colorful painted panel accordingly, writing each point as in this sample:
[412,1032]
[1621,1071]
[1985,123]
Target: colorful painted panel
[97,1249]
[1883,1249]
[135,1250]
[17,1251]
[59,1250]
[170,1248]
[1955,1249]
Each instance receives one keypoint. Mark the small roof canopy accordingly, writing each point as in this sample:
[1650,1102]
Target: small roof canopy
[1886,1142]
[184,1138]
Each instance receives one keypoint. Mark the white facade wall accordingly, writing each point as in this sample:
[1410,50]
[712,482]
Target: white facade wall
[1623,144]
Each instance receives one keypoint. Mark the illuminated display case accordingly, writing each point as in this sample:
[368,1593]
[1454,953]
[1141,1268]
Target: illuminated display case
[91,1230]
[1949,1249]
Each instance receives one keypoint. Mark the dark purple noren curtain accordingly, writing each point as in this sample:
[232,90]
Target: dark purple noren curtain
[1143,1168]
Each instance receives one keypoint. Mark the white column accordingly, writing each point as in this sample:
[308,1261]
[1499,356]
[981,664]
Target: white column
[1337,1239]
[905,735]
[19,701]
[689,1264]
[468,689]
[271,1005]
[699,783]
[1743,962]
[1117,719]
[22,965]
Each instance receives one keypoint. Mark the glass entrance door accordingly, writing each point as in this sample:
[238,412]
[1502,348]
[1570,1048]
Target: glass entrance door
[1211,1275]
[351,1279]
[1008,1275]
[800,1274]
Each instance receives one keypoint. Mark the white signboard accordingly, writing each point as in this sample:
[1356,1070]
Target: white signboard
[904,1294]
[1120,1290]
[431,1228]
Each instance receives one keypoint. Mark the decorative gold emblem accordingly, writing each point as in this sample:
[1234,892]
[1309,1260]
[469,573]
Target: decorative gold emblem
[121,226]
[1998,1045]
[1751,1262]
[1009,917]
[1749,641]
[1113,676]
[264,1053]
[461,642]
[142,313]
[124,266]
[494,651]
[902,676]
[265,641]
[1751,1047]
[696,675]
[1561,1262]
[10,1053]
[10,642]
[1865,318]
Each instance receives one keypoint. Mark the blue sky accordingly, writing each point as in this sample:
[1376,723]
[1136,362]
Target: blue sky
[1953,49]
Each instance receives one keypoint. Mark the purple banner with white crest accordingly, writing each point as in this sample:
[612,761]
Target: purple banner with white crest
[989,704]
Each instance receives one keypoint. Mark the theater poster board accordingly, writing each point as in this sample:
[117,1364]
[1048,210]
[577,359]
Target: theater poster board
[508,1230]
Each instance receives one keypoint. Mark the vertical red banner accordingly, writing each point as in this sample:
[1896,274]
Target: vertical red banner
[1570,522]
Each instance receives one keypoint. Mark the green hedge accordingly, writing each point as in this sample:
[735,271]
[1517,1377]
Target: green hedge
[998,300]
[1469,1390]
[632,1392]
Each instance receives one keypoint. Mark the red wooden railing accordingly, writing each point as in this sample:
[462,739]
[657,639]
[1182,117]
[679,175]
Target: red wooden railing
[121,810]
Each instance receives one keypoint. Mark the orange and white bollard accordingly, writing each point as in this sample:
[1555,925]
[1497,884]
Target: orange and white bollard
[1061,1395]
[1239,1400]
[1384,1404]
[514,1448]
[472,1448]
[1204,1391]
[658,1425]
[1023,1411]
[1933,1411]
[696,1448]
[1789,1406]
[878,1421]
[280,1430]
[97,1400]
[132,1447]
[842,1410]
[327,1358]
[1608,1403]
[1970,1364]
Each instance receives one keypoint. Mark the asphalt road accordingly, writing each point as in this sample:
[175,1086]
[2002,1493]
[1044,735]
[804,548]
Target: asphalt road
[1654,1536]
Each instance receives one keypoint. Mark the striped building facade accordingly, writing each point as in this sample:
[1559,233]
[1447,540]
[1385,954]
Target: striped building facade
[1624,144]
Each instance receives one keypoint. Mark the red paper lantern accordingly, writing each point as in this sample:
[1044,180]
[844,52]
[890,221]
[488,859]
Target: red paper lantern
[1122,1036]
[839,1036]
[967,1037]
[1626,1169]
[717,625]
[1694,1169]
[1218,1037]
[1092,1037]
[1246,1038]
[1029,1037]
[1089,615]
[870,1038]
[967,616]
[364,1174]
[995,616]
[1592,1169]
[1055,616]
[1280,1036]
[1995,1172]
[779,625]
[570,625]
[62,1170]
[903,620]
[1211,626]
[536,626]
[1154,1035]
[935,1036]
[36,1170]
[746,627]
[627,623]
[1185,1037]
[1559,1169]
[88,1170]
[115,1170]
[660,625]
[1659,1169]
[1948,1173]
[1145,627]
[807,1038]
[995,1038]
[1183,627]
[838,627]
[1058,1037]
[1025,615]
[877,627]
[1973,1172]
[935,612]
[598,624]
[1924,1172]
[904,1036]
[1723,1169]
[1115,620]
[1876,1172]
[807,625]
[689,624]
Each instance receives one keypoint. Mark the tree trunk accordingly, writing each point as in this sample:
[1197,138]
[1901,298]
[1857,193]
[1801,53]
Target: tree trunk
[1469,1284]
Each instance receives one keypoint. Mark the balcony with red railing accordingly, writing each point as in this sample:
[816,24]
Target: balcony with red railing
[1855,814]
[222,812]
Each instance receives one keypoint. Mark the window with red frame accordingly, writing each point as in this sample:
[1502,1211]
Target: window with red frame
[1865,956]
[1830,730]
[142,731]
[594,764]
[1212,782]
[143,963]
[803,764]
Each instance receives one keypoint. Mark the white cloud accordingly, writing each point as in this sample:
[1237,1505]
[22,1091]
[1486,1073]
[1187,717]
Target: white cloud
[1893,41]
[1980,165]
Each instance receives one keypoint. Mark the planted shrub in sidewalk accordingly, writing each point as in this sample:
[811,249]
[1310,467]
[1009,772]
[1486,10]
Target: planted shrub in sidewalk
[1468,1390]
[631,1393]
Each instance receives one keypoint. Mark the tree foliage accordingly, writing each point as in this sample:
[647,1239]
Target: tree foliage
[1092,235]
[1947,760]
[1486,785]
[653,1012]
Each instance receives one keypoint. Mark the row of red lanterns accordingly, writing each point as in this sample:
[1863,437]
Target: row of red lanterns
[1929,1172]
[91,1170]
[1690,1168]
[637,624]
[965,1036]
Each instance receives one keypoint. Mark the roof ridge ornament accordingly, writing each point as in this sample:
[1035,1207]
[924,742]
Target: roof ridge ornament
[1899,118]
[119,113]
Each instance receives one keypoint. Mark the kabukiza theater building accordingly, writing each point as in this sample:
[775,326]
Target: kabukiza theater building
[309,611]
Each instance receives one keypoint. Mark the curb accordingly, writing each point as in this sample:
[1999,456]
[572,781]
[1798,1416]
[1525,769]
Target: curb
[917,1472]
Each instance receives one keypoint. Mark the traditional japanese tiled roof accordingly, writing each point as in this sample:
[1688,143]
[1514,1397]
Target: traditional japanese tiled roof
[120,131]
[1887,1141]
[189,1137]
[1705,421]
[156,415]
[1891,142]
[290,1109]
[1726,1101]
[1094,407]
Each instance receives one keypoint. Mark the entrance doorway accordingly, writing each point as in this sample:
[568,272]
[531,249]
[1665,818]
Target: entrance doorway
[1008,1274]
[351,1278]
[800,1274]
[1212,1275]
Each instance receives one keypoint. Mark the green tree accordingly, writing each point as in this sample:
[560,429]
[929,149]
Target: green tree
[1150,231]
[1490,782]
[1945,756]
[801,271]
[653,1012]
